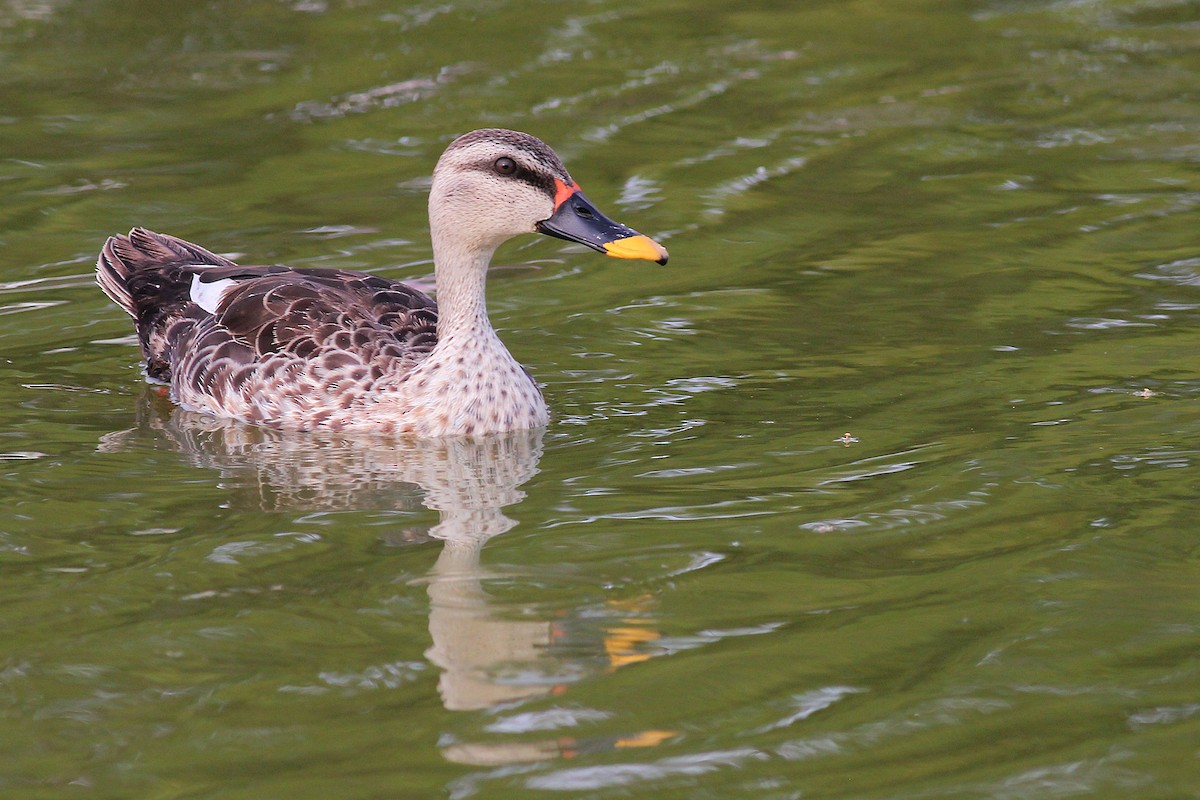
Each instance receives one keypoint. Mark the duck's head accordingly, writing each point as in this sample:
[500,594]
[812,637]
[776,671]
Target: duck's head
[491,185]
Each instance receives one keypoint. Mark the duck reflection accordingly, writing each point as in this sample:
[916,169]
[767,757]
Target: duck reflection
[468,482]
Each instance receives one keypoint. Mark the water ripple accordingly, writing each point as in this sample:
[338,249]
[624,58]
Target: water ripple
[614,775]
[546,720]
[379,97]
[1164,715]
[1184,272]
[808,703]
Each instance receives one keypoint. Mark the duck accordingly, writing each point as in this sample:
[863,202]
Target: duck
[333,350]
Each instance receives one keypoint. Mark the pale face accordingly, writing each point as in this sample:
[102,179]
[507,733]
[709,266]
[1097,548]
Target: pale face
[490,186]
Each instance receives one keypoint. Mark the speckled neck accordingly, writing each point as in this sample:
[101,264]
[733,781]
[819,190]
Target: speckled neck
[469,384]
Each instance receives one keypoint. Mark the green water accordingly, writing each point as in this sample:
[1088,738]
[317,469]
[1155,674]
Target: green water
[884,487]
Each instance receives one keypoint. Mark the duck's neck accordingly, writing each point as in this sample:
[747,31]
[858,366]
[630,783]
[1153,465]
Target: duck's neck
[469,384]
[461,275]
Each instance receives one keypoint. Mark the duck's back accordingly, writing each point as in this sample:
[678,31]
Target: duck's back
[276,345]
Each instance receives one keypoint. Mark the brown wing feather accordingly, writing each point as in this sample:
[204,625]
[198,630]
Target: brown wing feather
[301,345]
[280,339]
[287,311]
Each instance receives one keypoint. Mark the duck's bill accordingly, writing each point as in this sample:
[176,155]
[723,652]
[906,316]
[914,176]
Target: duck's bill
[577,220]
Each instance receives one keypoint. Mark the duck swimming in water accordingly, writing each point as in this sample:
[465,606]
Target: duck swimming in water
[310,349]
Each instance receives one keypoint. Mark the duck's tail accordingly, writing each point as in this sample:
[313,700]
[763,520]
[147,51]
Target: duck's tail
[112,272]
[144,251]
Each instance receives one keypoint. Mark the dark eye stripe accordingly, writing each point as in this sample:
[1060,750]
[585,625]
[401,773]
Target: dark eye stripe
[539,180]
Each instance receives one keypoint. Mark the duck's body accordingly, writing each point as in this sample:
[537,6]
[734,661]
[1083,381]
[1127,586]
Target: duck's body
[307,348]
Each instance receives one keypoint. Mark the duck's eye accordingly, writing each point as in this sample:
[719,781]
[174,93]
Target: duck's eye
[505,165]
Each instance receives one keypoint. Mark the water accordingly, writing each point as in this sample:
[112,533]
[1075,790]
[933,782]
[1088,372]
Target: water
[883,488]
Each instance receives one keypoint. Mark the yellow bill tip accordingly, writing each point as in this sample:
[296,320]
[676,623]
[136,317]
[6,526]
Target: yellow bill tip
[638,246]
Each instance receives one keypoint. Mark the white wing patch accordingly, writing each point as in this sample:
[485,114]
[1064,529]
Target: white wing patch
[208,295]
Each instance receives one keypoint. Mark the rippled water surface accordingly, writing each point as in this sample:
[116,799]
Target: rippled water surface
[885,487]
